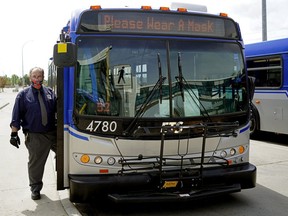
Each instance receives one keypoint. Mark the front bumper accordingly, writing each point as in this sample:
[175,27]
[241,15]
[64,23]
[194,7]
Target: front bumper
[145,186]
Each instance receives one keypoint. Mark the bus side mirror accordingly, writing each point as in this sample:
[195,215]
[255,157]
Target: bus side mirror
[64,54]
[251,83]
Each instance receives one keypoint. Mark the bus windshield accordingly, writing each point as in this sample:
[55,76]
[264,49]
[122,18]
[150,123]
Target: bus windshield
[116,77]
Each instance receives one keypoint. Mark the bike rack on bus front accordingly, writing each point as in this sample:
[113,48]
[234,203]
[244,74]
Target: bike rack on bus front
[188,169]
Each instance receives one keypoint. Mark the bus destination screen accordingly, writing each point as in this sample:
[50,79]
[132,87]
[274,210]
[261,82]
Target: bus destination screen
[157,23]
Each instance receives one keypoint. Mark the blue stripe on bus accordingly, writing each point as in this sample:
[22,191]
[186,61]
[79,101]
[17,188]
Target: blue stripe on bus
[76,135]
[245,128]
[86,139]
[271,92]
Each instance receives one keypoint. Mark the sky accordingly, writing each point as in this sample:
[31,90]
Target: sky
[30,28]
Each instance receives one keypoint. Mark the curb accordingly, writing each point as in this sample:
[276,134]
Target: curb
[69,208]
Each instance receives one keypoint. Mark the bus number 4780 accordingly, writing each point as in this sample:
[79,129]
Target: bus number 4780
[103,126]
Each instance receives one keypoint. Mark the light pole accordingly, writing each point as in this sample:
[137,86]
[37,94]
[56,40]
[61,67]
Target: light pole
[264,21]
[24,44]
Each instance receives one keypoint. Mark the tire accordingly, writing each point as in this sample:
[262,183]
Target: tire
[254,122]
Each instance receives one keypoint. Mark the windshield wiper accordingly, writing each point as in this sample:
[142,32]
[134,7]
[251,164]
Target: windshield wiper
[142,109]
[181,80]
[180,77]
[161,78]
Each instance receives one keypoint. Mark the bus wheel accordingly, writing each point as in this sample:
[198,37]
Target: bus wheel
[254,124]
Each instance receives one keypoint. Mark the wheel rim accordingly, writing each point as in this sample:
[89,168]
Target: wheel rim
[252,125]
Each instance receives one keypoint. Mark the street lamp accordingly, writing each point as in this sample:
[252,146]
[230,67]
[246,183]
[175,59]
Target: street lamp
[264,21]
[24,44]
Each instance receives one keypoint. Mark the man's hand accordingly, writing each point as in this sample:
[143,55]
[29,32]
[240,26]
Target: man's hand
[15,140]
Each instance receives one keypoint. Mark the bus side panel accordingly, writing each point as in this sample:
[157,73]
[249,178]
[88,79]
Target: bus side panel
[273,110]
[285,73]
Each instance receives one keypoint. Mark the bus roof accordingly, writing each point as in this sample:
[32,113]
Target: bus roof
[272,47]
[160,22]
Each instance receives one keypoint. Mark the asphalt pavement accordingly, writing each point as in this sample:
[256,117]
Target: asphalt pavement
[15,195]
[269,153]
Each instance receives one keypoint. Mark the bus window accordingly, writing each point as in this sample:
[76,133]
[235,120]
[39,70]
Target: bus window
[212,74]
[267,71]
[106,86]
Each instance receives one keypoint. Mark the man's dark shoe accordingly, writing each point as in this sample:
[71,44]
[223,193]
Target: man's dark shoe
[35,195]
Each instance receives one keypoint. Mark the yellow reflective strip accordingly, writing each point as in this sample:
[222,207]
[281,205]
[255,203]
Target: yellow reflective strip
[62,48]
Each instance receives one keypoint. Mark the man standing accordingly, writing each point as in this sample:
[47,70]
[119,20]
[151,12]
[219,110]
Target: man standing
[121,75]
[34,110]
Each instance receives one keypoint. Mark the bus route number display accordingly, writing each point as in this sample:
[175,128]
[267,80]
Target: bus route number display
[156,23]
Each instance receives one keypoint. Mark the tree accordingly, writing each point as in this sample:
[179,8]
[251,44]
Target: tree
[14,80]
[3,81]
[26,80]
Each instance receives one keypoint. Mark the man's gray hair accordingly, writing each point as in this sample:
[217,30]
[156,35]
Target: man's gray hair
[37,69]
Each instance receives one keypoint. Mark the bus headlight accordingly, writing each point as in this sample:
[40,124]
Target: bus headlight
[223,154]
[98,160]
[232,151]
[111,160]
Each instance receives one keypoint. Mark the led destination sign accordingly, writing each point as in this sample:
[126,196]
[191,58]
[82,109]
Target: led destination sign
[153,24]
[157,23]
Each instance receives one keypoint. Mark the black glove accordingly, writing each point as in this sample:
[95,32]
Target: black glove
[15,140]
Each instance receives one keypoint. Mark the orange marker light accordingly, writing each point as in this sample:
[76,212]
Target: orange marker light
[241,149]
[85,158]
[146,7]
[223,14]
[95,7]
[182,9]
[165,8]
[257,102]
